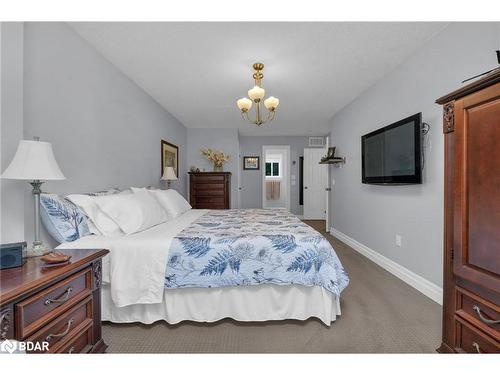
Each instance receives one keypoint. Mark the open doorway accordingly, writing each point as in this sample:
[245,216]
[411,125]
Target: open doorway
[276,177]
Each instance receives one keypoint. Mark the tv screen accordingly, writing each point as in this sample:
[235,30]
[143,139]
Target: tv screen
[391,155]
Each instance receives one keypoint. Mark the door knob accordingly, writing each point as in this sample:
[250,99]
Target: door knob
[305,187]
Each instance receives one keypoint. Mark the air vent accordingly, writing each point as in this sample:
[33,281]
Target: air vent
[316,141]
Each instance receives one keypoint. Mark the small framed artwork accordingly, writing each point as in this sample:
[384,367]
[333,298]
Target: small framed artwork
[169,157]
[251,163]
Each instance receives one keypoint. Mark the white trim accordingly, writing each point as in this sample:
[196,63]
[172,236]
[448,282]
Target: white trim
[424,286]
[328,192]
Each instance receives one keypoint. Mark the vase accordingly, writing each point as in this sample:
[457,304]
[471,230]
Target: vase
[218,168]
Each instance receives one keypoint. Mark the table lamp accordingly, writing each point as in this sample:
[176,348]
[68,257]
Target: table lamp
[34,161]
[169,175]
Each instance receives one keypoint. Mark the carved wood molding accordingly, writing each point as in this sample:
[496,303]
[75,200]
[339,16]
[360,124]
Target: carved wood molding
[448,117]
[5,323]
[97,271]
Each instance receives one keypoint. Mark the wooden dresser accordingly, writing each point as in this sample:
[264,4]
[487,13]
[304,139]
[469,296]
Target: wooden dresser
[471,287]
[210,190]
[59,305]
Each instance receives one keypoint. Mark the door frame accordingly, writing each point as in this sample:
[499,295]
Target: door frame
[328,191]
[286,170]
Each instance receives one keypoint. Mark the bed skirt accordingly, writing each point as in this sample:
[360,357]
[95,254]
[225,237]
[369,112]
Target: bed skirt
[242,303]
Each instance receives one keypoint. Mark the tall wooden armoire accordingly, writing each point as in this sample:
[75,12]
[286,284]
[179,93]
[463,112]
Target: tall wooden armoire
[471,299]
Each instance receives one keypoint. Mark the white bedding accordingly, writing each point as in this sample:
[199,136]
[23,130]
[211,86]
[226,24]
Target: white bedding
[136,264]
[255,303]
[133,285]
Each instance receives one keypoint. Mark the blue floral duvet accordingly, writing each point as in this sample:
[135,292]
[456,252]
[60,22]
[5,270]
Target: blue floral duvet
[252,247]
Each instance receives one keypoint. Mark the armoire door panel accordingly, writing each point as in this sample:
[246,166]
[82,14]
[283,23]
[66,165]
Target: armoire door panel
[483,183]
[476,240]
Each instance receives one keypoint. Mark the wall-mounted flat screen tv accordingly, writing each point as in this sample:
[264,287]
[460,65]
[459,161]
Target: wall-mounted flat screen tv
[392,154]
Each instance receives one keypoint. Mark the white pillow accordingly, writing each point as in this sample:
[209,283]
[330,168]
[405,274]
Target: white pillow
[133,212]
[99,222]
[171,201]
[137,190]
[146,188]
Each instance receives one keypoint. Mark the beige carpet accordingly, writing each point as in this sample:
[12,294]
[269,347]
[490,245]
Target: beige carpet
[380,314]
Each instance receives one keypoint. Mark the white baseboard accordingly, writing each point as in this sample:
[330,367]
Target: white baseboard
[424,286]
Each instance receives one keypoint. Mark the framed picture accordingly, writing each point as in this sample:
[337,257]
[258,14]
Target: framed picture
[169,157]
[251,163]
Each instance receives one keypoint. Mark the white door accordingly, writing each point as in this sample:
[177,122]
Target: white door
[315,184]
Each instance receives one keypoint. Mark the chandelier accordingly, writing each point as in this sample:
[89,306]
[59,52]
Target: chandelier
[256,94]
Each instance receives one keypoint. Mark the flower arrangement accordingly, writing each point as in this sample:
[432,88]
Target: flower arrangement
[218,158]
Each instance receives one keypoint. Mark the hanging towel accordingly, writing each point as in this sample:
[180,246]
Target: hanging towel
[273,189]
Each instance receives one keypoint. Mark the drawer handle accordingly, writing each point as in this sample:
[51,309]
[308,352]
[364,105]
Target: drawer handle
[62,334]
[64,297]
[483,319]
[476,346]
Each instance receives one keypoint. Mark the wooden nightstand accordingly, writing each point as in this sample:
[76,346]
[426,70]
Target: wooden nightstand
[59,305]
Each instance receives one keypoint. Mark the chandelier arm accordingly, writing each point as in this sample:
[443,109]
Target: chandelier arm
[270,117]
[246,117]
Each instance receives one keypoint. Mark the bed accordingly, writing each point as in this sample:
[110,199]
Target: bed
[206,265]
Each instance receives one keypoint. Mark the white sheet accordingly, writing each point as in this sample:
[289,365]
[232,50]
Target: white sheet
[243,303]
[136,264]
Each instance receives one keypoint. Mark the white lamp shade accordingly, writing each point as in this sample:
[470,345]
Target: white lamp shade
[169,174]
[244,104]
[256,93]
[34,160]
[271,103]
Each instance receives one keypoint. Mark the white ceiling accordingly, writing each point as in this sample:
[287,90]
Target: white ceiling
[197,71]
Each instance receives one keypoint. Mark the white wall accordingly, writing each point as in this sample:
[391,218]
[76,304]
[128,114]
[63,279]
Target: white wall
[11,129]
[217,139]
[104,129]
[373,215]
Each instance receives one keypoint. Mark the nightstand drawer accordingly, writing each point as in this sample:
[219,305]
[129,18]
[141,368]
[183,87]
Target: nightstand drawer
[80,343]
[470,339]
[65,326]
[44,306]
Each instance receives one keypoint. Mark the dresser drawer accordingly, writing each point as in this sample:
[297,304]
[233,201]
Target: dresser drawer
[65,326]
[81,342]
[49,303]
[478,311]
[209,189]
[211,200]
[470,339]
[201,179]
